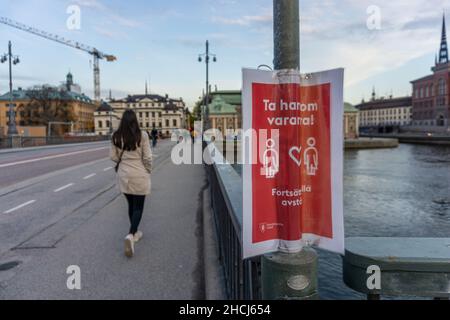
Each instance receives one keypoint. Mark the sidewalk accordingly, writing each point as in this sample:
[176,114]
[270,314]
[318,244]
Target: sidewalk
[169,259]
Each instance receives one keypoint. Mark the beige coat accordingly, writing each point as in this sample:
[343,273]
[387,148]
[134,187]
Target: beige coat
[135,168]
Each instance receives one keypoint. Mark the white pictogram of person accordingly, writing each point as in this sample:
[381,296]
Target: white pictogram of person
[271,161]
[311,158]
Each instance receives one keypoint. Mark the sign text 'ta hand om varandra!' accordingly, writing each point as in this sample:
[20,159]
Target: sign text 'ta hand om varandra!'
[307,108]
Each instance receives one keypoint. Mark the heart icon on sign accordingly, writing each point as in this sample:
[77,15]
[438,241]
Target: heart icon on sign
[296,155]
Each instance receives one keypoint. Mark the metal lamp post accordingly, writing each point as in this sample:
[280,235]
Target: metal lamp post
[13,60]
[288,276]
[207,56]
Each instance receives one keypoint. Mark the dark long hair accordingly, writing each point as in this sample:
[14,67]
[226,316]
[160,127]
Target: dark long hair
[128,136]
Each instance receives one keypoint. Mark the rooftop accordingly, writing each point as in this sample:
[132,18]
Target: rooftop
[349,108]
[21,94]
[385,103]
[104,107]
[225,102]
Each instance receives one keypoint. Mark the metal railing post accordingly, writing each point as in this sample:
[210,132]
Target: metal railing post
[288,276]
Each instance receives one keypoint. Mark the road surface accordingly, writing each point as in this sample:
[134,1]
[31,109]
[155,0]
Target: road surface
[60,207]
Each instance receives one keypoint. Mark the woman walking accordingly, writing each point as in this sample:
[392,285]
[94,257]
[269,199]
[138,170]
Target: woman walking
[131,152]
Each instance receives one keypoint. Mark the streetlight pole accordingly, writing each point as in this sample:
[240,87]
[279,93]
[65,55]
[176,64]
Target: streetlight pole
[12,129]
[288,275]
[207,55]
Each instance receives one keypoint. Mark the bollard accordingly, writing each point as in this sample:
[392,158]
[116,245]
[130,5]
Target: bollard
[290,276]
[294,275]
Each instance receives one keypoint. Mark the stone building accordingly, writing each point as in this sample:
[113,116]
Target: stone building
[383,115]
[351,122]
[153,111]
[224,110]
[81,106]
[106,120]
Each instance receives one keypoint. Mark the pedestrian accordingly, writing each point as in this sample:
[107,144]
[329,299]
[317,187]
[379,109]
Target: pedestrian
[131,152]
[154,135]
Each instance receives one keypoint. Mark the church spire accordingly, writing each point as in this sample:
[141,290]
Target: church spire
[443,52]
[146,88]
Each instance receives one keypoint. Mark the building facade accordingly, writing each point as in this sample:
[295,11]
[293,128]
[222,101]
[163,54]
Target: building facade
[81,106]
[106,120]
[153,111]
[385,114]
[430,99]
[351,122]
[225,110]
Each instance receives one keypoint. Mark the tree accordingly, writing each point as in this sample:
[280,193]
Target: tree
[197,111]
[48,104]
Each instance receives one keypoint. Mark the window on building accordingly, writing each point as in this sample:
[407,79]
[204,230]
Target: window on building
[175,123]
[140,114]
[147,114]
[167,123]
[441,88]
[100,124]
[160,114]
[107,124]
[147,124]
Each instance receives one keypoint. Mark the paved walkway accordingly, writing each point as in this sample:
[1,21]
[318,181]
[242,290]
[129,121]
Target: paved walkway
[168,263]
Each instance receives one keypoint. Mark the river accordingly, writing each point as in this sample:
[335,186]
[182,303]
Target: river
[402,192]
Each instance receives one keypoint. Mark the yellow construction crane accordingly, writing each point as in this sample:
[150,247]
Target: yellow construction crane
[92,51]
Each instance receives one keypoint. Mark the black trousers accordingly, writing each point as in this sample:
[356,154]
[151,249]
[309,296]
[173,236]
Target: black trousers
[135,210]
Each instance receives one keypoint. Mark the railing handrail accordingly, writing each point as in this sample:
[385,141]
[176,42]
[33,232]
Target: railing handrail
[231,186]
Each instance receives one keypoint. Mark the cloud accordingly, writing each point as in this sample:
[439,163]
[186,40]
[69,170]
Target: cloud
[199,41]
[109,33]
[244,20]
[340,38]
[110,14]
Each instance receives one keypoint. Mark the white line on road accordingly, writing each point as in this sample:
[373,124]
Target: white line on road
[50,157]
[20,207]
[89,176]
[63,188]
[107,169]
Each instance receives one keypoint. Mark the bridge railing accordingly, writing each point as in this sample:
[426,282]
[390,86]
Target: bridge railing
[242,277]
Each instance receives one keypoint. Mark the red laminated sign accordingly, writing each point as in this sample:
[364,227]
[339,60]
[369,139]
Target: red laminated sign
[292,149]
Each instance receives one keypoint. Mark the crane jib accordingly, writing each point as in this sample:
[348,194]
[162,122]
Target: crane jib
[94,52]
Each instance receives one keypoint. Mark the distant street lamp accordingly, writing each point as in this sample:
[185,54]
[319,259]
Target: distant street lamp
[12,130]
[207,56]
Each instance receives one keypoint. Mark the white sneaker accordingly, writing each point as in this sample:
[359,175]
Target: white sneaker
[129,246]
[138,236]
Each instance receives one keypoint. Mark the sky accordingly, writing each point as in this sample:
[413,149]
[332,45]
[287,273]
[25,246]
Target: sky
[383,44]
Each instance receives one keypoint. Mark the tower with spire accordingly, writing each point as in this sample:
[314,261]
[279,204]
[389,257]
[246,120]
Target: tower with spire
[431,90]
[443,50]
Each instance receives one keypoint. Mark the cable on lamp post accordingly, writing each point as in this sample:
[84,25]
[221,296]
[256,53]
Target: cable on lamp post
[206,57]
[13,60]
